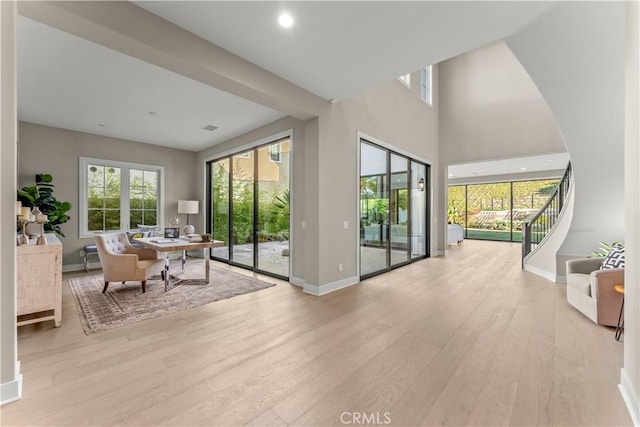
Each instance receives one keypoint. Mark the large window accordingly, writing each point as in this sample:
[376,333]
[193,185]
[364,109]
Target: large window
[394,191]
[118,195]
[406,80]
[249,207]
[426,85]
[497,211]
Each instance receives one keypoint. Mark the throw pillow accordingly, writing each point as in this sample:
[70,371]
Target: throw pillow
[136,235]
[151,229]
[615,258]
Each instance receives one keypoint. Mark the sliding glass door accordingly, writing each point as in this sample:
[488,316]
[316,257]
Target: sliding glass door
[249,208]
[393,209]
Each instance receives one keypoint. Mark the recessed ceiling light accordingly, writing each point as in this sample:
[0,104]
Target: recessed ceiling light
[285,20]
[210,128]
[101,125]
[152,113]
[523,169]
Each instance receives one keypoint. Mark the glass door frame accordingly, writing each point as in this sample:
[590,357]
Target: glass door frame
[209,201]
[427,189]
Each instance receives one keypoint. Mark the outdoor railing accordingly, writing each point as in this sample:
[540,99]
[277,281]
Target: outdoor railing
[535,230]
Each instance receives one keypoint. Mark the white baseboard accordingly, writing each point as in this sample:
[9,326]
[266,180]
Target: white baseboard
[296,281]
[439,253]
[12,391]
[319,290]
[561,279]
[540,272]
[630,397]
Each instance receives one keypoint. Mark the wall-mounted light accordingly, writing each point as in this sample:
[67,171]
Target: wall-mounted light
[421,184]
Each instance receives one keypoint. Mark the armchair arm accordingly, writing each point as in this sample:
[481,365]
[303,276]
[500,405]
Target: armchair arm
[143,253]
[603,281]
[584,265]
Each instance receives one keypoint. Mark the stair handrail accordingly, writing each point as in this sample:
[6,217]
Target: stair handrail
[549,212]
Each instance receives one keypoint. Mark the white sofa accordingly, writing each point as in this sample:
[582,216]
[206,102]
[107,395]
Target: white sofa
[590,290]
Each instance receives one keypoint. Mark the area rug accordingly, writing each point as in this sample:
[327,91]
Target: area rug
[124,304]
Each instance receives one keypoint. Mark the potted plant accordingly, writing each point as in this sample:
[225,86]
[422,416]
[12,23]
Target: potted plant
[41,196]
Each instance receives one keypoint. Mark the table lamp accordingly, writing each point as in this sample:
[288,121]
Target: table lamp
[188,207]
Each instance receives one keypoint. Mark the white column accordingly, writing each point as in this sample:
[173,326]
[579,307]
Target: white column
[10,377]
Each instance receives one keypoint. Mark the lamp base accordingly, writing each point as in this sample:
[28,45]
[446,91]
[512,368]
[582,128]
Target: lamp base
[188,229]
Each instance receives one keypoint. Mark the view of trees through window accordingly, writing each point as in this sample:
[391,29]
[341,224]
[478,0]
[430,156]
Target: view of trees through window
[497,211]
[105,197]
[250,207]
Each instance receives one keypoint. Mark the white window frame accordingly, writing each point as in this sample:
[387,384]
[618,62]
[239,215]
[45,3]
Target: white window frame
[125,167]
[426,85]
[405,80]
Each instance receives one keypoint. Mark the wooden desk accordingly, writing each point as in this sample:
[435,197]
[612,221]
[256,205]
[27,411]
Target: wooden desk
[165,246]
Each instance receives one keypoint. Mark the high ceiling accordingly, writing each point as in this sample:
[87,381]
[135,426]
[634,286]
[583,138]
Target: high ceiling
[334,49]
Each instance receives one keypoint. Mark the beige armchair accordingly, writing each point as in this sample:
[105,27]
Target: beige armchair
[590,290]
[121,262]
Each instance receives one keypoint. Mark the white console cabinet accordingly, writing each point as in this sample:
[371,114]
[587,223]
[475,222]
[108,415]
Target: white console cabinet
[39,277]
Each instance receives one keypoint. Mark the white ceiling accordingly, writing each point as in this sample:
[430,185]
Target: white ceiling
[334,49]
[68,82]
[547,162]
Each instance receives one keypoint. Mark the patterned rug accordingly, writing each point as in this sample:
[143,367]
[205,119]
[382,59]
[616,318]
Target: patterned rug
[123,304]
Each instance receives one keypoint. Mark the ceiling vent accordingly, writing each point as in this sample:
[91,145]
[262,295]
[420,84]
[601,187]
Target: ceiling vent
[210,128]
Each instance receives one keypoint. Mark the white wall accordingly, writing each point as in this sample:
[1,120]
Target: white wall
[325,173]
[10,377]
[394,115]
[45,149]
[491,109]
[630,376]
[580,73]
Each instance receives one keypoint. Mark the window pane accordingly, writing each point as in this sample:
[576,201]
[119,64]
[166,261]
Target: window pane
[112,220]
[149,217]
[135,199]
[95,220]
[456,205]
[273,210]
[220,206]
[242,232]
[489,211]
[135,218]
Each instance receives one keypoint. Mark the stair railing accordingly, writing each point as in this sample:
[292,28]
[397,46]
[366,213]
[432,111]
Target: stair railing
[537,228]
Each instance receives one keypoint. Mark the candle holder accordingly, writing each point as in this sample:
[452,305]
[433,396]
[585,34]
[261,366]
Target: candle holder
[41,219]
[24,240]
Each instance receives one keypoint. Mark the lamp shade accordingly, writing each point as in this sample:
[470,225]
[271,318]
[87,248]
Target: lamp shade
[188,206]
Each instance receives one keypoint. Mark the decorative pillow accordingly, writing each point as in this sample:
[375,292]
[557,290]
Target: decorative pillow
[615,258]
[135,234]
[153,230]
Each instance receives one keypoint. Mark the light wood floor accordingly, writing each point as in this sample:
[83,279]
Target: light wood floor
[467,339]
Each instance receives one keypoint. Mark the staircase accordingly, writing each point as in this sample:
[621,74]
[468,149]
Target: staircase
[537,229]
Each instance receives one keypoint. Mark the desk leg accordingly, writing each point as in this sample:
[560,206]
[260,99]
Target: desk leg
[166,271]
[184,258]
[206,266]
[620,326]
